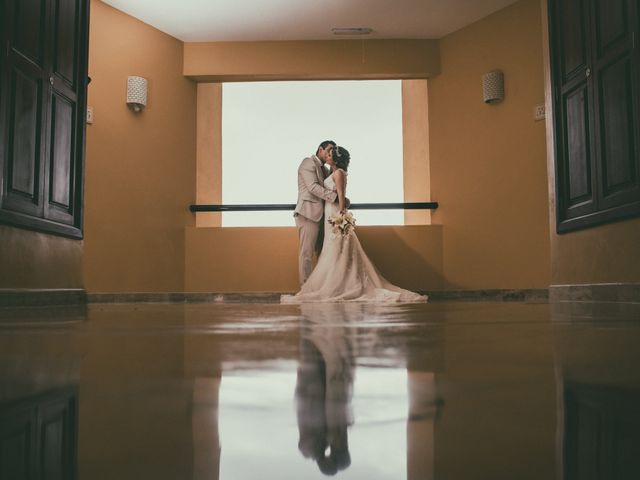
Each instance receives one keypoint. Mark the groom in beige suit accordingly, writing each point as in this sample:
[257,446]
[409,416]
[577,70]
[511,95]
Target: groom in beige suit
[310,207]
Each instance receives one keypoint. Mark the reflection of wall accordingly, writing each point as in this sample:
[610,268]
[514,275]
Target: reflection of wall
[498,389]
[203,370]
[140,169]
[420,425]
[135,403]
[488,169]
[598,392]
[39,376]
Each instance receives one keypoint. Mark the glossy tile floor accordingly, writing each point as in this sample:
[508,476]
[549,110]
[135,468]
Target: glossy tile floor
[446,390]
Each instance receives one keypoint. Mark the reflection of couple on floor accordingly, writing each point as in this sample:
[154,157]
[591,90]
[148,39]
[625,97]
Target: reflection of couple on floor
[329,344]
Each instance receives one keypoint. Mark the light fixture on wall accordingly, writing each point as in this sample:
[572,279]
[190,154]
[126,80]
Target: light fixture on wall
[493,87]
[136,93]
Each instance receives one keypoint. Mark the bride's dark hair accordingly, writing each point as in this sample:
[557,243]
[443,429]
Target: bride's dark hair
[341,157]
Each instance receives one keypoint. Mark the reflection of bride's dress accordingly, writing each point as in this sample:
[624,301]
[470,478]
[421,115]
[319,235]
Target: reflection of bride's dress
[345,273]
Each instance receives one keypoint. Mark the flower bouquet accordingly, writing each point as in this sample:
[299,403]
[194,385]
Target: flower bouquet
[342,223]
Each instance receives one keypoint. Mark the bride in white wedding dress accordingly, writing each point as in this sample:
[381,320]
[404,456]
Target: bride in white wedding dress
[344,273]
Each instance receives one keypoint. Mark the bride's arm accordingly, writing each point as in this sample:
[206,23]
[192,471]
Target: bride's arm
[340,180]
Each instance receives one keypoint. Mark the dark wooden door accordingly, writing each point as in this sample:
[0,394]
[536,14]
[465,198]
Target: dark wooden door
[576,162]
[25,101]
[43,100]
[597,131]
[616,82]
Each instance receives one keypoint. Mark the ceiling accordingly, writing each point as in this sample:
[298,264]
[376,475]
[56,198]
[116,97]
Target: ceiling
[265,20]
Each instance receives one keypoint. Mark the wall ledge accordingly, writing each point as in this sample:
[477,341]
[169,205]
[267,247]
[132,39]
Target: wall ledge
[34,297]
[526,295]
[312,60]
[596,292]
[529,295]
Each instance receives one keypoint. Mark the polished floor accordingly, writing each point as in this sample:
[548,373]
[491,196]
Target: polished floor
[446,390]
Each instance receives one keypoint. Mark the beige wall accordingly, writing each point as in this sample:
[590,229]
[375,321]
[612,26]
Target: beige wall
[140,168]
[38,260]
[264,259]
[415,149]
[331,59]
[603,254]
[488,167]
[209,152]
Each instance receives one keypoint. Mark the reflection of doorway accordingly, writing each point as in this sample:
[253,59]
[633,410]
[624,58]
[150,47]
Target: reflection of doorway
[423,409]
[204,426]
[601,433]
[38,436]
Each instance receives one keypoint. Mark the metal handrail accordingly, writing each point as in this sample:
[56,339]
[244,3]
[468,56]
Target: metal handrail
[292,206]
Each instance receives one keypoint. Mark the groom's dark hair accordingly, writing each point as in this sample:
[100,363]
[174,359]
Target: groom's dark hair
[324,144]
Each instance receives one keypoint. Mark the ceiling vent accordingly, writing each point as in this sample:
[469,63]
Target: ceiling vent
[352,31]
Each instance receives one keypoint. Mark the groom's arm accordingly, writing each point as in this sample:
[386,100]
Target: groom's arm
[307,172]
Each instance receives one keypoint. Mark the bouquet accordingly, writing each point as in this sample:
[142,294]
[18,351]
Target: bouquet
[342,223]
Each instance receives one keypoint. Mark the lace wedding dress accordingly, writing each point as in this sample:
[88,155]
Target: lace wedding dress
[344,273]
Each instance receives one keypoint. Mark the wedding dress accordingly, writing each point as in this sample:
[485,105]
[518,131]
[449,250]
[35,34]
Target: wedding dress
[344,273]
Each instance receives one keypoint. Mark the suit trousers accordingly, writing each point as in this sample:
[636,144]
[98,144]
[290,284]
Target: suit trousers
[307,235]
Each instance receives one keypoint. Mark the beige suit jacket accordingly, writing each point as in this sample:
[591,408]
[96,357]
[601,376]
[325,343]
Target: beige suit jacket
[311,190]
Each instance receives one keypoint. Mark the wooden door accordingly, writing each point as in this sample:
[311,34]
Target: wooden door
[597,131]
[42,105]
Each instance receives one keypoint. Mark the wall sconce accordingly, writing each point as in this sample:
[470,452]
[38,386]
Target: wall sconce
[493,87]
[136,93]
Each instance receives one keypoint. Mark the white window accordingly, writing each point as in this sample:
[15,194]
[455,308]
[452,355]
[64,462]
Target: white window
[269,127]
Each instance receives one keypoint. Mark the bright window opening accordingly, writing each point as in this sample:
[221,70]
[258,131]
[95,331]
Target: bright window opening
[269,127]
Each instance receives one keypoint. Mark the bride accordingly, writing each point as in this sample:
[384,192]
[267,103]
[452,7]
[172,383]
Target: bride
[344,273]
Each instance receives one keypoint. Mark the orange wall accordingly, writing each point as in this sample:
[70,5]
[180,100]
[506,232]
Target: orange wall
[488,168]
[603,254]
[38,260]
[328,59]
[209,152]
[415,149]
[265,259]
[140,168]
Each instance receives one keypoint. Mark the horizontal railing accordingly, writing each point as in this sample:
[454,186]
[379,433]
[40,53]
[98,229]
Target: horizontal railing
[291,206]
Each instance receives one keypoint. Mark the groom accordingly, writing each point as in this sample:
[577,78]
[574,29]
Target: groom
[310,207]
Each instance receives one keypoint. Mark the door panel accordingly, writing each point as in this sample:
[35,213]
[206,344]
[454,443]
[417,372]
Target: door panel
[616,128]
[65,40]
[29,18]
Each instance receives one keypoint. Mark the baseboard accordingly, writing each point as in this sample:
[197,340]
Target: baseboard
[36,297]
[597,292]
[603,292]
[177,297]
[527,295]
[537,295]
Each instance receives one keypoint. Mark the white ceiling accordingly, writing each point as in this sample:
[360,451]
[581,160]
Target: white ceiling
[261,20]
